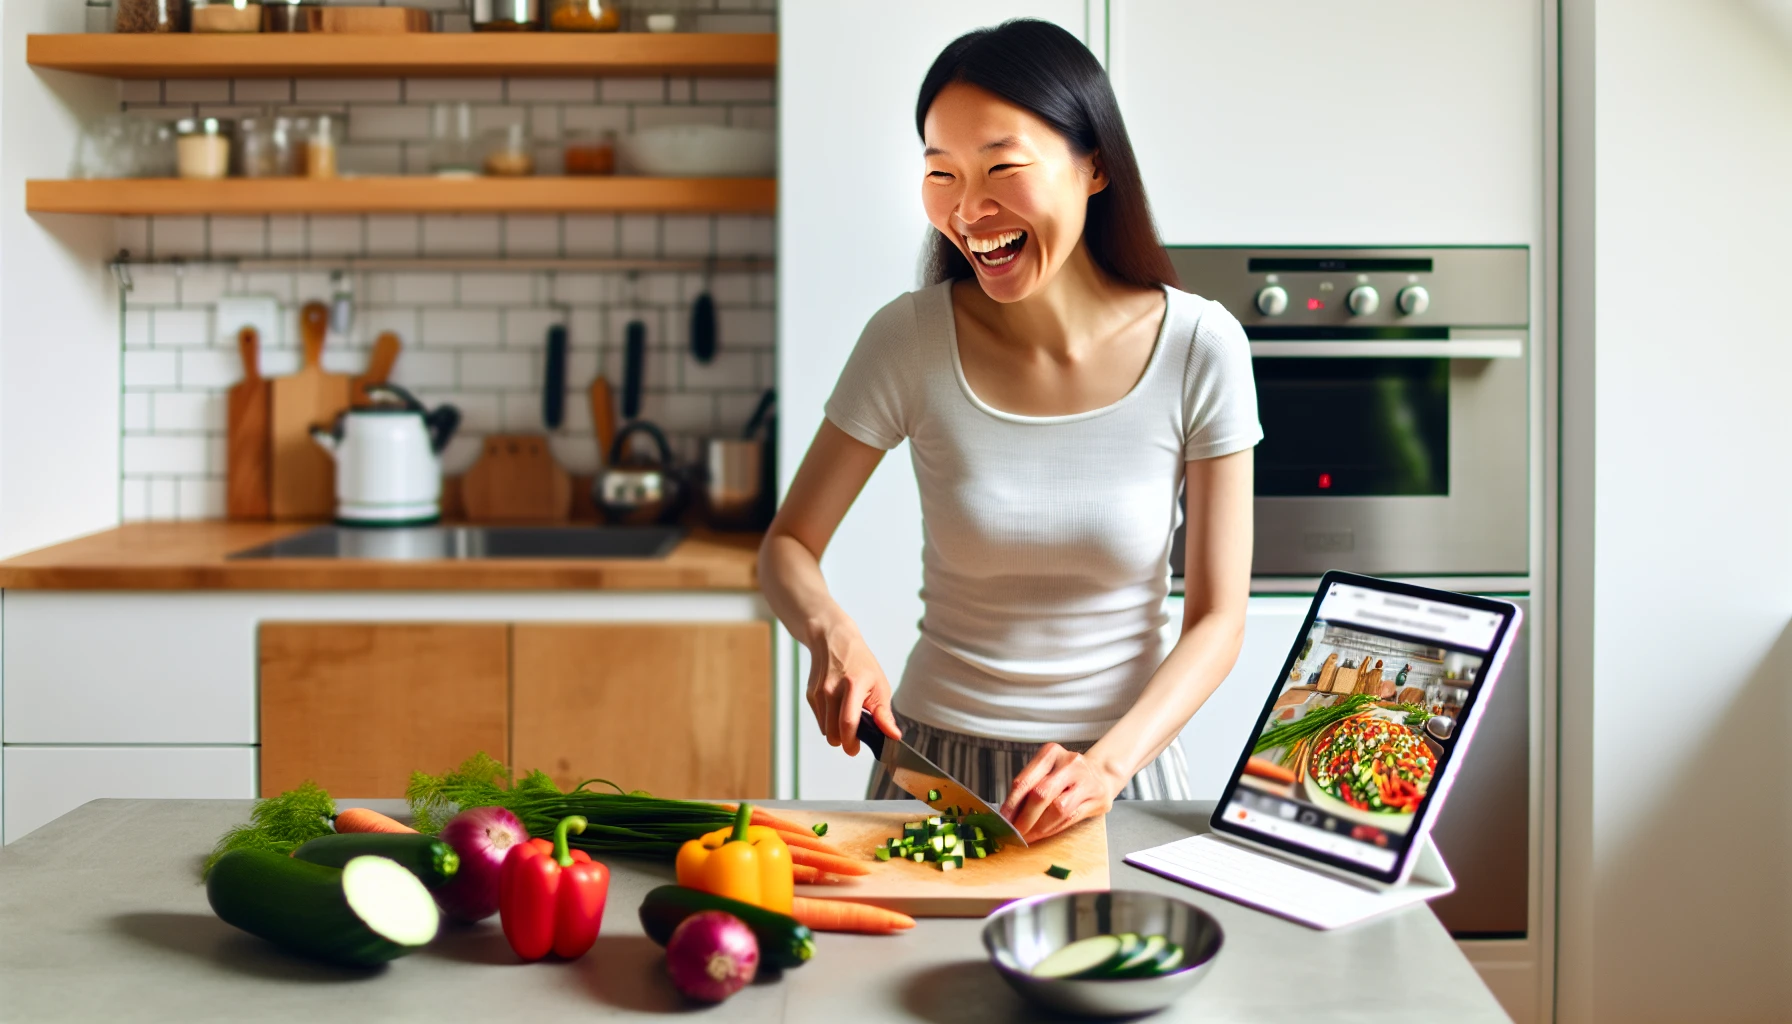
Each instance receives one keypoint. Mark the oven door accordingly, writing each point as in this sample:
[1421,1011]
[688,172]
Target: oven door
[1391,458]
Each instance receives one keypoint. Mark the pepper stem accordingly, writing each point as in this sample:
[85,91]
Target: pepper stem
[562,853]
[742,815]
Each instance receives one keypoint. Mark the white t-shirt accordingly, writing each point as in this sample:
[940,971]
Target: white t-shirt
[1045,561]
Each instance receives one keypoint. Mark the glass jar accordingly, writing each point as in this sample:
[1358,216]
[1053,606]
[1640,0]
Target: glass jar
[323,142]
[290,16]
[583,16]
[270,146]
[588,152]
[202,147]
[151,16]
[100,16]
[506,15]
[453,150]
[226,16]
[507,152]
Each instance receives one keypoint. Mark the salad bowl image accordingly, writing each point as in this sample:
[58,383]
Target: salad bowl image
[1372,768]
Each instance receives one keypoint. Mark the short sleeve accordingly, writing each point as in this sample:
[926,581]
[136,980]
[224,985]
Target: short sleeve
[873,400]
[1219,392]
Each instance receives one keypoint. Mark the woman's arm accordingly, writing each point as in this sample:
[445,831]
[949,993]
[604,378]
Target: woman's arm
[843,674]
[1059,788]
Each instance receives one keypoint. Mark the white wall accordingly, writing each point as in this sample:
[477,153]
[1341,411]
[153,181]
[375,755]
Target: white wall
[1676,822]
[59,353]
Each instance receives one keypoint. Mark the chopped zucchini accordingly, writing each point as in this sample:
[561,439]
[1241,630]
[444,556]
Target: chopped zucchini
[950,863]
[881,853]
[820,828]
[917,856]
[1058,871]
[1083,958]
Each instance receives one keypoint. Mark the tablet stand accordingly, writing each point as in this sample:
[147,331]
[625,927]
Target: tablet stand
[1285,888]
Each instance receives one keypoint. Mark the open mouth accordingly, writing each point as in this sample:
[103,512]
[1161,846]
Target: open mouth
[997,250]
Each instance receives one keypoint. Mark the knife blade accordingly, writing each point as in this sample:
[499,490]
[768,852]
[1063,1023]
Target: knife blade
[920,778]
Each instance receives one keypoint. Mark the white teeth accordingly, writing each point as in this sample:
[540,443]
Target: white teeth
[992,242]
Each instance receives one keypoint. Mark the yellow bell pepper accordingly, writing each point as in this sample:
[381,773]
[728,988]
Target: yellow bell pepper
[749,863]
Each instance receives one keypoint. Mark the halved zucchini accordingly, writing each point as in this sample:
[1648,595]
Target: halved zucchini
[367,912]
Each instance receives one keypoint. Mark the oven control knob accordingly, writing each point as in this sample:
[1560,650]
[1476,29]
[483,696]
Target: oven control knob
[1413,300]
[1272,300]
[1363,300]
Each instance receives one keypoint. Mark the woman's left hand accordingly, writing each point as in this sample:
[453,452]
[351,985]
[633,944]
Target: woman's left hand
[1057,789]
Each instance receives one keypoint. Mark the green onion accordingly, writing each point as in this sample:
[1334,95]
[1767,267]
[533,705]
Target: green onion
[820,828]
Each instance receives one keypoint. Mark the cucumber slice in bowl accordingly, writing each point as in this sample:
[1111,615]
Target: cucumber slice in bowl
[1143,962]
[1092,957]
[363,914]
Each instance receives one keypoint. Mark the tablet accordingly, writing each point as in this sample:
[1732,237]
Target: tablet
[1365,728]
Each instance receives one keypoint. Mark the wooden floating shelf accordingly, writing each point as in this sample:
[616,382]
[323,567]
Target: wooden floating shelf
[418,55]
[621,194]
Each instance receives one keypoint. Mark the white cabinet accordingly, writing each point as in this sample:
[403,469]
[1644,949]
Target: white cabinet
[1216,735]
[44,783]
[1293,122]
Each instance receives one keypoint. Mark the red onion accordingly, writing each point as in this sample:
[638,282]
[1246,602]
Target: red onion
[712,955]
[482,836]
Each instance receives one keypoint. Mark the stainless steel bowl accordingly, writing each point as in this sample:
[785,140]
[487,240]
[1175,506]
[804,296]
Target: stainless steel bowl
[1025,932]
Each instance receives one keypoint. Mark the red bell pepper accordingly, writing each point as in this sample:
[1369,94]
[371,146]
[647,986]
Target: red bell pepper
[551,899]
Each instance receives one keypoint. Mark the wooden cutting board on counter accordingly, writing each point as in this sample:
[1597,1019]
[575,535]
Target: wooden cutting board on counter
[923,890]
[304,475]
[516,480]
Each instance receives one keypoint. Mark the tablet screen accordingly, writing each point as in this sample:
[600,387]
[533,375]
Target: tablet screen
[1365,720]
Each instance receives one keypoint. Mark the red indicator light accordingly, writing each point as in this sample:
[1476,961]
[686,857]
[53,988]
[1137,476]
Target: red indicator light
[1315,303]
[1325,481]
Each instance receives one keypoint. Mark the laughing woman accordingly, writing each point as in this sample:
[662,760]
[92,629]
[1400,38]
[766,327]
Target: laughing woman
[1057,390]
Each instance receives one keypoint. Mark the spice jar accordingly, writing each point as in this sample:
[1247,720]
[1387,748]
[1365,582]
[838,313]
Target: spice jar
[453,150]
[506,15]
[100,16]
[588,152]
[290,16]
[583,16]
[323,138]
[226,16]
[151,16]
[270,147]
[202,147]
[507,152]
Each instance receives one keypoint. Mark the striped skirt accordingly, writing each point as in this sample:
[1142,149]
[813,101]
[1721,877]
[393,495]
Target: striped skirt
[988,767]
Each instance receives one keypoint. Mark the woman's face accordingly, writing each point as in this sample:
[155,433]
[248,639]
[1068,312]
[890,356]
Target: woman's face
[1005,188]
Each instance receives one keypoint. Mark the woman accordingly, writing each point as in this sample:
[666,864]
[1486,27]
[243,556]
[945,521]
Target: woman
[1056,390]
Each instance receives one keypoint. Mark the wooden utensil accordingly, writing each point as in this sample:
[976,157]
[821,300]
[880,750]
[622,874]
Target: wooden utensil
[923,890]
[373,20]
[304,476]
[246,436]
[603,418]
[386,349]
[516,480]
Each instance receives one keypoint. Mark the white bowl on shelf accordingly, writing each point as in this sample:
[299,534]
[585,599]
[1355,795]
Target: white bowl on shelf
[700,151]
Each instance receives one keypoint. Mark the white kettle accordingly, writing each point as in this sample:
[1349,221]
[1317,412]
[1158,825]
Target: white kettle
[388,459]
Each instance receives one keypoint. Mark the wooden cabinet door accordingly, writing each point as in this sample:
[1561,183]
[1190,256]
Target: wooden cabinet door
[679,710]
[358,706]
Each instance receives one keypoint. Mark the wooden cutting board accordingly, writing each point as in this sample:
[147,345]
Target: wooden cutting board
[246,436]
[516,480]
[304,475]
[923,890]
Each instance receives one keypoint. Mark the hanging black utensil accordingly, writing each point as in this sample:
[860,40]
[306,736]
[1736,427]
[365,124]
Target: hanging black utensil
[703,324]
[553,393]
[634,358]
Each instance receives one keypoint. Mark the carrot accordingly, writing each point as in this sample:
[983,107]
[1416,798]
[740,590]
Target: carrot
[809,841]
[803,874]
[827,862]
[763,817]
[360,819]
[846,916]
[1267,769]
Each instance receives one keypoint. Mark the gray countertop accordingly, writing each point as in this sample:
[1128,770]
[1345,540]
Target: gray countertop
[102,917]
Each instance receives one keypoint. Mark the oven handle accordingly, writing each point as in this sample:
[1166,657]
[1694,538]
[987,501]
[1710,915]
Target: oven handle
[1468,348]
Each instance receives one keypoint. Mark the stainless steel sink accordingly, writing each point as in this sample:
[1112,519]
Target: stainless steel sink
[438,542]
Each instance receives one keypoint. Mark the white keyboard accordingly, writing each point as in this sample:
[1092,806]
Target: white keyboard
[1268,883]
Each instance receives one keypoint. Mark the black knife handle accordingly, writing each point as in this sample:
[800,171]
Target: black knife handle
[870,735]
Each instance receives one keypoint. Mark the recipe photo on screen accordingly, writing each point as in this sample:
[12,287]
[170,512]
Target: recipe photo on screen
[1365,719]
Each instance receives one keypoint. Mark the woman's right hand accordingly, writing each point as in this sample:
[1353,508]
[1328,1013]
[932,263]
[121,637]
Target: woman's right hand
[845,681]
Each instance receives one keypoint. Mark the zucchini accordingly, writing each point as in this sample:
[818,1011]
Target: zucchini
[783,940]
[1090,957]
[363,914]
[431,860]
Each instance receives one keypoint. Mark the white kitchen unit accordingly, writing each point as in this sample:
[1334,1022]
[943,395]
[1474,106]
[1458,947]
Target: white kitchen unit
[155,693]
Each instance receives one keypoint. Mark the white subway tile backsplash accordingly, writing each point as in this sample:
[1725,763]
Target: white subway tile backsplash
[333,236]
[220,368]
[151,369]
[632,90]
[133,496]
[204,90]
[751,327]
[200,498]
[528,328]
[551,90]
[526,235]
[261,90]
[371,158]
[131,234]
[163,503]
[178,236]
[164,454]
[461,235]
[592,234]
[187,411]
[432,90]
[594,119]
[494,289]
[686,236]
[182,328]
[136,329]
[727,370]
[678,90]
[201,286]
[135,412]
[460,328]
[521,411]
[352,90]
[639,235]
[734,90]
[497,370]
[378,122]
[239,236]
[286,236]
[392,235]
[423,289]
[480,412]
[486,118]
[400,320]
[653,117]
[742,235]
[420,370]
[143,91]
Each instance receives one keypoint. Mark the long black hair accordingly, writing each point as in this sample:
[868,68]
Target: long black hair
[1045,70]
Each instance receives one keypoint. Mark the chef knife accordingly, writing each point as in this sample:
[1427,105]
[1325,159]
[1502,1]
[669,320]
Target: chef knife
[920,778]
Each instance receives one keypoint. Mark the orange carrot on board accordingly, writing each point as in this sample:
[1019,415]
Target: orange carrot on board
[360,819]
[763,817]
[1264,768]
[827,862]
[846,916]
[809,841]
[802,874]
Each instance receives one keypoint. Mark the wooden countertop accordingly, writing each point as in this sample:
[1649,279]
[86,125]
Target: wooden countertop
[191,556]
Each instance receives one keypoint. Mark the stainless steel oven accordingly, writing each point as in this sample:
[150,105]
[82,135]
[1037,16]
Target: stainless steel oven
[1391,384]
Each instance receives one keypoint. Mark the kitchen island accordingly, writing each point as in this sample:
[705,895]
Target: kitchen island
[102,917]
